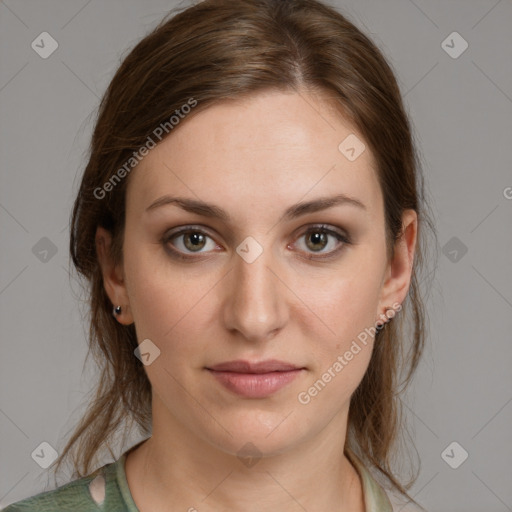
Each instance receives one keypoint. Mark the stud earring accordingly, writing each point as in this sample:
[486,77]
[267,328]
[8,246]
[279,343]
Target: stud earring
[116,311]
[388,319]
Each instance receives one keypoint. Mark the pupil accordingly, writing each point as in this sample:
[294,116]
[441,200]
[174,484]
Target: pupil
[195,240]
[318,238]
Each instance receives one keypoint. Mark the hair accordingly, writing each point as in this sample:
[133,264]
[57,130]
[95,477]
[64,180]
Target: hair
[218,50]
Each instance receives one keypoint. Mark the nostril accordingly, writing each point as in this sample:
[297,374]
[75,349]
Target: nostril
[97,489]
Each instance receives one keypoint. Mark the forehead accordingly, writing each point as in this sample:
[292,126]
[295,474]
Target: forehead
[270,148]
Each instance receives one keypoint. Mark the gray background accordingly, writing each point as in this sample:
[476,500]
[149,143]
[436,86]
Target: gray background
[461,109]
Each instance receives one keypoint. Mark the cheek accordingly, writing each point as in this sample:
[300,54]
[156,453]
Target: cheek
[175,307]
[340,356]
[341,320]
[168,304]
[345,304]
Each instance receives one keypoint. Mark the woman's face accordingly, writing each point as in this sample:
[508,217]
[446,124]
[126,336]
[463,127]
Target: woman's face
[250,282]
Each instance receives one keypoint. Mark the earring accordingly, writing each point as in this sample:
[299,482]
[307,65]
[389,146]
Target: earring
[116,310]
[388,319]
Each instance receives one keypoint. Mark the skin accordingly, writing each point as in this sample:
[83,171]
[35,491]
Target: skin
[253,157]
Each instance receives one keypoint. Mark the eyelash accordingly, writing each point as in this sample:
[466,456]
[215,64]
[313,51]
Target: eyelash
[322,228]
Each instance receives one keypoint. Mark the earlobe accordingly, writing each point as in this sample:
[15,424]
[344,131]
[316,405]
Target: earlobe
[113,278]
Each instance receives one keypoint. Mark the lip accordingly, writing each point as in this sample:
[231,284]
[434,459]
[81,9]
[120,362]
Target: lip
[242,366]
[255,379]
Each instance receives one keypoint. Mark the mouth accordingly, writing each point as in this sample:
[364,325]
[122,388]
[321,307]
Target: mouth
[255,380]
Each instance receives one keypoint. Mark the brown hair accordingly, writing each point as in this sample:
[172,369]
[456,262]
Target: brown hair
[221,49]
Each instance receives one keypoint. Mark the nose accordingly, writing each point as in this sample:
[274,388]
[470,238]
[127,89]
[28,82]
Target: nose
[255,303]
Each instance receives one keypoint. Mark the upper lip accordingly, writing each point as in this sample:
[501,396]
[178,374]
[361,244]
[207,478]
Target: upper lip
[240,366]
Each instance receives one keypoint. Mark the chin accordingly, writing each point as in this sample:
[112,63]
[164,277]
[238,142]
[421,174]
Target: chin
[266,434]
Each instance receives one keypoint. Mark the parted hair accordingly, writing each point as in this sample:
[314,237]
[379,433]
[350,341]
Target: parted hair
[211,51]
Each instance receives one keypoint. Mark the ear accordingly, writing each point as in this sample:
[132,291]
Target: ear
[113,278]
[399,270]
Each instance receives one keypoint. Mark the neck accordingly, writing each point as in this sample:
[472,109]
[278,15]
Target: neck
[194,475]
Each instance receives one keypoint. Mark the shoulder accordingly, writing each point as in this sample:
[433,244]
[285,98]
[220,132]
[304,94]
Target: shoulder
[75,495]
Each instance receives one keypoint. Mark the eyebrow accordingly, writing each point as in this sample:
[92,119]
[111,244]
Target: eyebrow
[213,211]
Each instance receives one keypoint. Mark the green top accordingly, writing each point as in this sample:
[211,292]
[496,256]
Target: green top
[110,482]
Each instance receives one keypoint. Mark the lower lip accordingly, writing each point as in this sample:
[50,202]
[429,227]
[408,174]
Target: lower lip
[255,385]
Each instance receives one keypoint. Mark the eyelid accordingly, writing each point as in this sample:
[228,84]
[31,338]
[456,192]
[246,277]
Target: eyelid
[341,235]
[190,228]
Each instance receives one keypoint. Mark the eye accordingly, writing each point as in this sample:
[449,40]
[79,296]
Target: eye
[317,239]
[189,240]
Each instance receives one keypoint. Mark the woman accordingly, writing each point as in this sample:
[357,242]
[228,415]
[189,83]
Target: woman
[250,224]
